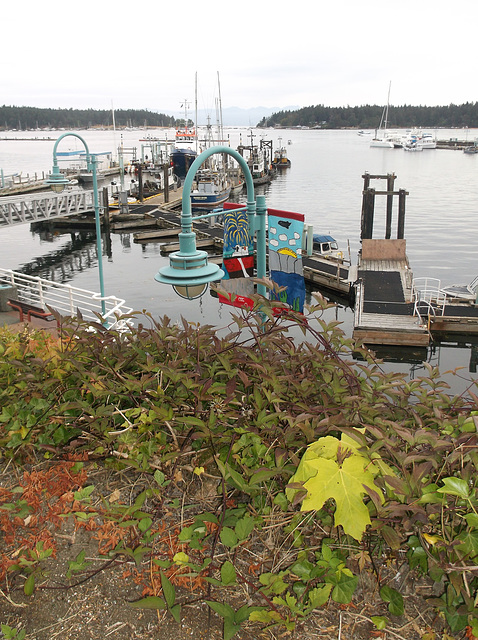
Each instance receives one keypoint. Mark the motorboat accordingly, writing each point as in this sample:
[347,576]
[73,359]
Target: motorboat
[210,189]
[280,159]
[326,246]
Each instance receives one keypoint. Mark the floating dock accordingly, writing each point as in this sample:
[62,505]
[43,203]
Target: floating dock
[384,301]
[391,307]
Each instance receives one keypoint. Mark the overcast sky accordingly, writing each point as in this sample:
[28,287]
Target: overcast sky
[144,55]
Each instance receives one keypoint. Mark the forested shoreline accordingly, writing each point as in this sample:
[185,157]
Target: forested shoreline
[320,116]
[28,118]
[370,116]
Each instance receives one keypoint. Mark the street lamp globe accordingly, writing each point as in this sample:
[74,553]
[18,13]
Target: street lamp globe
[56,180]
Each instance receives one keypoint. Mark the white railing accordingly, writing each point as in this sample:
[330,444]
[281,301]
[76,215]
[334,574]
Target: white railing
[46,205]
[358,312]
[67,300]
[427,294]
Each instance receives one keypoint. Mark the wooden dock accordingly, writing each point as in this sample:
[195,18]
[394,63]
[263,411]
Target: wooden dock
[384,304]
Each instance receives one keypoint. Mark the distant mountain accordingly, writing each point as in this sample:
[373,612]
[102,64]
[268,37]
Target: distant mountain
[234,116]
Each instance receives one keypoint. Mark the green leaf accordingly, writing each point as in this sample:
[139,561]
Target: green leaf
[228,537]
[302,569]
[394,598]
[281,501]
[159,477]
[228,573]
[230,628]
[222,609]
[29,586]
[176,612]
[345,485]
[244,527]
[472,520]
[331,468]
[345,585]
[150,602]
[168,590]
[319,596]
[84,493]
[379,621]
[469,540]
[236,479]
[144,524]
[455,487]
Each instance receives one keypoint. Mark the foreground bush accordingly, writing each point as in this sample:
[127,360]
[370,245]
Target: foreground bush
[353,467]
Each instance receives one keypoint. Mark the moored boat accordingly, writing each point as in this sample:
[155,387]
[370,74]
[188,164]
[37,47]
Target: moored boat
[210,189]
[326,246]
[185,147]
[280,159]
[382,138]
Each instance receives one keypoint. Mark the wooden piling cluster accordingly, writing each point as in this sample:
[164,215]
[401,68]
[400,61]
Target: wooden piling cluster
[368,206]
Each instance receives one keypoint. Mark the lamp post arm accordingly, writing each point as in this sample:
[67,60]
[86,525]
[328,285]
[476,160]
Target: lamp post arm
[186,217]
[75,135]
[91,165]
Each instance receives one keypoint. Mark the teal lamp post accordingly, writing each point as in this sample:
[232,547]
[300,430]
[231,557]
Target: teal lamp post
[189,271]
[57,181]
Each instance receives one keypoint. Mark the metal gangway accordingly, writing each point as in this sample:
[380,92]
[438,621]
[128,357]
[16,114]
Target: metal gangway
[44,205]
[67,300]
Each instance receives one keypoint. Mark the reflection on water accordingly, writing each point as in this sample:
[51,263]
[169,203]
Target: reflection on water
[324,183]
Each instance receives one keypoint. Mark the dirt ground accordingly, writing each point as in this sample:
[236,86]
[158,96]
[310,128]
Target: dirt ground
[96,602]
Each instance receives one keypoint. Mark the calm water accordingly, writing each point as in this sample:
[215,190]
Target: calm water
[324,182]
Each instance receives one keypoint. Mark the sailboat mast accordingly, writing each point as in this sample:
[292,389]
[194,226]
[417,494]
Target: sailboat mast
[221,127]
[114,129]
[196,108]
[388,104]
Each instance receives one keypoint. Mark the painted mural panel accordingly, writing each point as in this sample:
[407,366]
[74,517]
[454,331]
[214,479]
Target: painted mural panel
[285,255]
[238,258]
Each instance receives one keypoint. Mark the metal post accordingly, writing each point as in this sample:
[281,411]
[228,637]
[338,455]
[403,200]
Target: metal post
[261,242]
[98,231]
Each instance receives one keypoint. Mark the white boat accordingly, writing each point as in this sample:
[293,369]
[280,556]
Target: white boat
[421,139]
[210,189]
[383,138]
[412,147]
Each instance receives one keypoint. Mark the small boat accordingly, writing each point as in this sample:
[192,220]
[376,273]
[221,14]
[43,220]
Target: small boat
[261,173]
[422,139]
[152,180]
[235,178]
[327,247]
[412,147]
[364,133]
[462,291]
[471,149]
[280,159]
[210,189]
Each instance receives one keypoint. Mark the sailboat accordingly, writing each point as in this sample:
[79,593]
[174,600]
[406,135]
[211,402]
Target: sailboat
[382,137]
[211,186]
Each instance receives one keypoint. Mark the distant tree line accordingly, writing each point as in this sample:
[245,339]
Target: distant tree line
[23,118]
[369,116]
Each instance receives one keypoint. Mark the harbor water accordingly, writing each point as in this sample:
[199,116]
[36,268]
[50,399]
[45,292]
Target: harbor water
[324,182]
